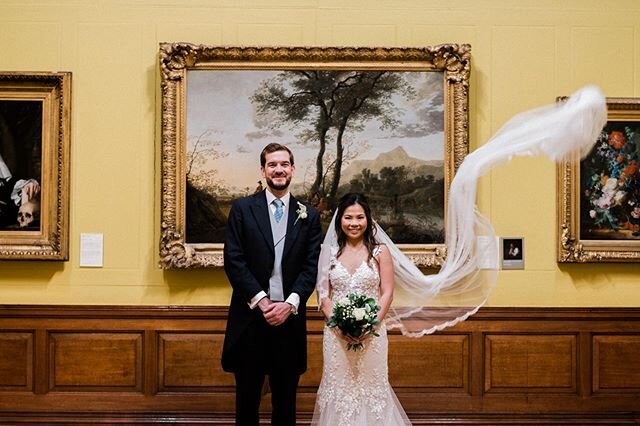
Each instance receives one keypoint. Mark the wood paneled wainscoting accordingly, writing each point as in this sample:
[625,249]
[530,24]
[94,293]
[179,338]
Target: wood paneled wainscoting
[140,364]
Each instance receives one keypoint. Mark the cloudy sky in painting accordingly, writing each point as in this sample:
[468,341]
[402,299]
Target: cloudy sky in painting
[219,102]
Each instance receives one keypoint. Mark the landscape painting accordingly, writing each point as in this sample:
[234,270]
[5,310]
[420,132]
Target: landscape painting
[376,132]
[391,123]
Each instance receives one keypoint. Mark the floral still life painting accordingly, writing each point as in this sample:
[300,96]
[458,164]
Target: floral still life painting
[610,185]
[598,199]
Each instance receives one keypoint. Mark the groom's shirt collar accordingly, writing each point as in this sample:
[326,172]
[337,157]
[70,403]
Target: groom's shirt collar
[271,197]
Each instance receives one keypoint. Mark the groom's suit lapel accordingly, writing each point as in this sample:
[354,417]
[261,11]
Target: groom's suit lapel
[261,214]
[292,230]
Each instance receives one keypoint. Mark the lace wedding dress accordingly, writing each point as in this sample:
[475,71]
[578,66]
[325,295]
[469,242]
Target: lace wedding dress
[355,389]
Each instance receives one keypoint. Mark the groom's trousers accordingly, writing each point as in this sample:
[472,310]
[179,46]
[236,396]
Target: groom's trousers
[265,350]
[249,391]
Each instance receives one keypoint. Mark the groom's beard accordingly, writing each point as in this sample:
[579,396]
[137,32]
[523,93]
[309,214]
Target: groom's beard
[279,187]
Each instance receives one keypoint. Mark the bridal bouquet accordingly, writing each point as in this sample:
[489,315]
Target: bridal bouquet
[355,315]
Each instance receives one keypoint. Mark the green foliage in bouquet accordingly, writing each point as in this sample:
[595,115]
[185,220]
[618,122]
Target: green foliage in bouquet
[355,315]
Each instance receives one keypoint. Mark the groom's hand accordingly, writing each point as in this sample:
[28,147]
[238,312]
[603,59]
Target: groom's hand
[264,304]
[277,313]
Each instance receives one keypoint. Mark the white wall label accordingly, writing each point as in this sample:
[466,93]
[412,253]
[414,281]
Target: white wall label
[91,250]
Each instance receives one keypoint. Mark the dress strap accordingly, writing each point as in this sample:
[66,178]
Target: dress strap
[377,250]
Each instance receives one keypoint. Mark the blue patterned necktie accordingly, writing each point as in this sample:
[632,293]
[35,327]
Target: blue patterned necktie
[277,215]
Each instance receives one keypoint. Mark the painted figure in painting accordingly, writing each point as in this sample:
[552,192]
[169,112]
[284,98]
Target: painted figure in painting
[270,257]
[513,252]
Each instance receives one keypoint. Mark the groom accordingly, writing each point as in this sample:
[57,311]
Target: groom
[271,258]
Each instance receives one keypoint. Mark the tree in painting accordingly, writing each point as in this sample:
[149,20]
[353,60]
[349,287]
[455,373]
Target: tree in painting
[328,108]
[324,106]
[205,217]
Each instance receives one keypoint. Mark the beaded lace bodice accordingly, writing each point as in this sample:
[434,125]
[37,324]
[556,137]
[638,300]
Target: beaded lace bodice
[364,280]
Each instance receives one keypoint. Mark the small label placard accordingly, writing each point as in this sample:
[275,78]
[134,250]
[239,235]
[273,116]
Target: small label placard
[91,250]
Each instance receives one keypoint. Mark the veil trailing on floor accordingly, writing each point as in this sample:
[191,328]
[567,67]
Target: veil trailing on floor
[423,304]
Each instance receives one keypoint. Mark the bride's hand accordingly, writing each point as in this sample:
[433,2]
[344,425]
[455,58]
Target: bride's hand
[339,333]
[350,339]
[347,338]
[362,339]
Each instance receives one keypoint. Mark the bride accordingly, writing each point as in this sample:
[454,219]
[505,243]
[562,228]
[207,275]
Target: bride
[355,387]
[357,256]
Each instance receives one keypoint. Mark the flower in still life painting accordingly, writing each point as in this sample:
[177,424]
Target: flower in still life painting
[610,185]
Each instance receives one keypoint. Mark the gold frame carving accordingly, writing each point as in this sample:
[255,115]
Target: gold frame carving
[51,241]
[176,59]
[571,248]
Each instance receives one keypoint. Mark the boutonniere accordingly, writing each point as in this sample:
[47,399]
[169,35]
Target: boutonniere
[302,212]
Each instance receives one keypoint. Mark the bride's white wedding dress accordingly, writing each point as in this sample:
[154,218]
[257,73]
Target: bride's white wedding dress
[355,389]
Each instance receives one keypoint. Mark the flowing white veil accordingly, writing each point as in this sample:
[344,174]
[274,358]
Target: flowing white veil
[423,304]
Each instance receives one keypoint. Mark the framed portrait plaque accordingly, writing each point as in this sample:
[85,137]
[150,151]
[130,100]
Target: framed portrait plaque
[512,252]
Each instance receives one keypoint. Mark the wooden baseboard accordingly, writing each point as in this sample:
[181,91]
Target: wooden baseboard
[161,364]
[461,419]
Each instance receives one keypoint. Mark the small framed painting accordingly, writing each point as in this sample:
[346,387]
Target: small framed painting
[512,252]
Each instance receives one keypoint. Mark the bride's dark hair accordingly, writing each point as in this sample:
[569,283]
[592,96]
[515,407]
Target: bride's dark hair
[369,237]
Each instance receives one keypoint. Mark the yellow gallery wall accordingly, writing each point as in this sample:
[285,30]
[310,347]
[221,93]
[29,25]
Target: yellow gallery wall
[524,54]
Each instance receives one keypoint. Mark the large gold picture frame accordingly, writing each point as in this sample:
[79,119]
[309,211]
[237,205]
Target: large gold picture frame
[598,199]
[35,117]
[221,105]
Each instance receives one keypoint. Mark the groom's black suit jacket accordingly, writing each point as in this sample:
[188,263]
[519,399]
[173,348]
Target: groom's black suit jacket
[248,261]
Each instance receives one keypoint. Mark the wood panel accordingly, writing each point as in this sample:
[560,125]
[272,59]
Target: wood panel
[437,363]
[530,363]
[16,361]
[157,364]
[191,362]
[616,363]
[100,361]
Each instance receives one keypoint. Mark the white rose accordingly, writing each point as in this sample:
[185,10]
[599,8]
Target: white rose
[344,301]
[359,314]
[592,213]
